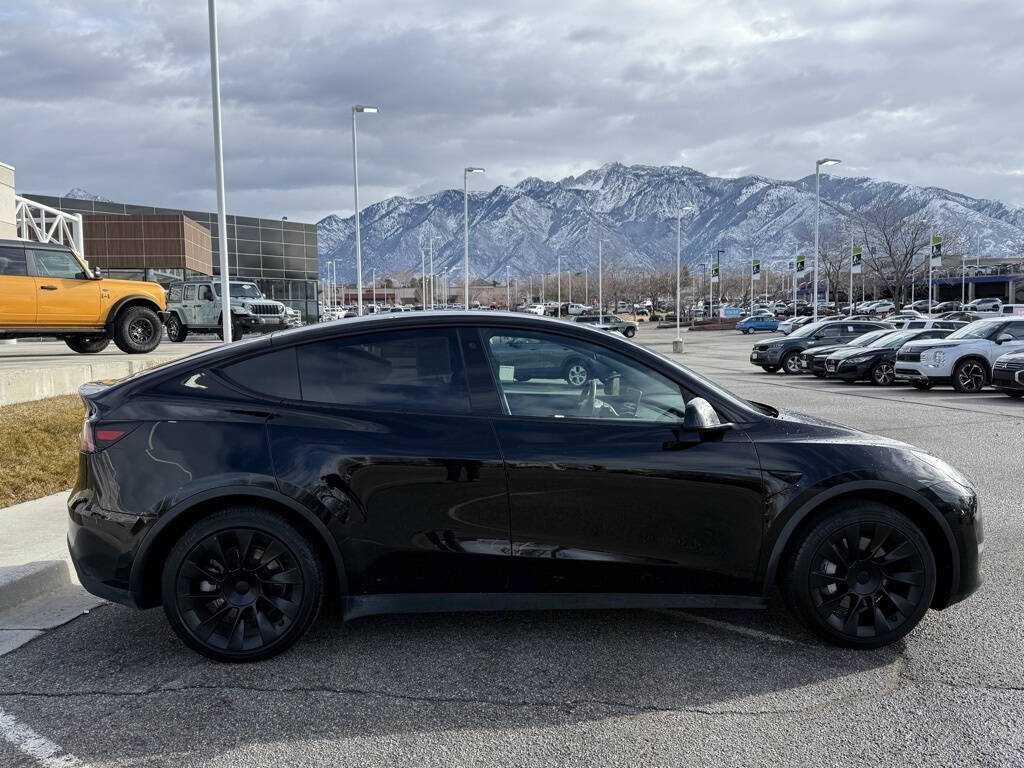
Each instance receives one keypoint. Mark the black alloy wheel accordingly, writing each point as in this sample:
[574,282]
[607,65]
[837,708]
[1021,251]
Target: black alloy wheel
[176,330]
[87,345]
[883,374]
[969,376]
[791,363]
[863,576]
[137,330]
[241,585]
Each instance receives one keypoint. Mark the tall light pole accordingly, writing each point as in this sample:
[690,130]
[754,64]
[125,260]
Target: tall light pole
[508,290]
[600,280]
[432,239]
[677,345]
[817,217]
[558,312]
[931,245]
[465,210]
[355,184]
[336,302]
[373,278]
[218,157]
[586,285]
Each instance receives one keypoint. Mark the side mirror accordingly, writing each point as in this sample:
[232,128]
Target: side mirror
[1003,337]
[97,273]
[701,417]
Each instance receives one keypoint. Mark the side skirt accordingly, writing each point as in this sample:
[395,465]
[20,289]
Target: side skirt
[460,602]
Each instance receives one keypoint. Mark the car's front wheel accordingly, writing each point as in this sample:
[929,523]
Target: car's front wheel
[137,330]
[176,330]
[862,576]
[791,363]
[576,373]
[241,585]
[883,374]
[237,331]
[629,332]
[969,376]
[87,345]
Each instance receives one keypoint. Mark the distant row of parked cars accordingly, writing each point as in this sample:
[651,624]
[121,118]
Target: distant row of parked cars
[924,352]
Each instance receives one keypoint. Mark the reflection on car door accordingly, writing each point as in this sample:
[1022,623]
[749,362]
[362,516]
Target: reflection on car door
[65,297]
[414,481]
[623,503]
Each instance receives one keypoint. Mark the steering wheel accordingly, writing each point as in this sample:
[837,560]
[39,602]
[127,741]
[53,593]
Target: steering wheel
[587,405]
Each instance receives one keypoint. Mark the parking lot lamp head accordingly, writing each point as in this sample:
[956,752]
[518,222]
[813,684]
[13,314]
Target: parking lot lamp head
[817,216]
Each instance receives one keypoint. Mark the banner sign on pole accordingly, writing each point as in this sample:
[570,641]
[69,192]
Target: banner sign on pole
[800,264]
[937,250]
[714,272]
[755,269]
[857,257]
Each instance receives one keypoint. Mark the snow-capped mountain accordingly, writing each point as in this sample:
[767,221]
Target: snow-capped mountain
[528,226]
[77,193]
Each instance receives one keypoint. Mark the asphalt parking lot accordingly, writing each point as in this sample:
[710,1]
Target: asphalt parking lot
[116,688]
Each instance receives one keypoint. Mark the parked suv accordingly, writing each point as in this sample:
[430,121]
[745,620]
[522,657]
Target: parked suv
[784,353]
[964,358]
[194,306]
[46,290]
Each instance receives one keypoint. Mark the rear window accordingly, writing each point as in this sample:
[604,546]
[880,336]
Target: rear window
[413,370]
[272,374]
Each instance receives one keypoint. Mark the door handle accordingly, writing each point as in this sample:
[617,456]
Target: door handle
[47,287]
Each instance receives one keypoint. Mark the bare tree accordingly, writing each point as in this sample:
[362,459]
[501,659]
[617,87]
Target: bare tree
[892,238]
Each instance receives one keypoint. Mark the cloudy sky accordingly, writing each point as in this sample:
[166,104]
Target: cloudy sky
[114,96]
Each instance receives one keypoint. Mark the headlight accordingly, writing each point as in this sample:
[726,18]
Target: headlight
[857,359]
[939,356]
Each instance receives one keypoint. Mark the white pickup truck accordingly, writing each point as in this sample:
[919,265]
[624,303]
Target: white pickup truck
[964,358]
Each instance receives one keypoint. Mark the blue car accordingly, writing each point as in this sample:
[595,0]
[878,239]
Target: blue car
[764,322]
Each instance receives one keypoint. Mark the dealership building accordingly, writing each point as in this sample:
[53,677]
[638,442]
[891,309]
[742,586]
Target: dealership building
[142,242]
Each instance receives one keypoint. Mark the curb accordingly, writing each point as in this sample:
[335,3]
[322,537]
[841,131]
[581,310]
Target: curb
[21,583]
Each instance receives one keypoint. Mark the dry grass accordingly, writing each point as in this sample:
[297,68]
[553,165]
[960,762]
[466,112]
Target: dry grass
[39,447]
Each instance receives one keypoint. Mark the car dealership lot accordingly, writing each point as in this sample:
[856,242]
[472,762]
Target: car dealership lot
[655,687]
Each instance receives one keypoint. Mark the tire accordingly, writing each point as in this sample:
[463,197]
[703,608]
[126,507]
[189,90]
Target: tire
[236,330]
[883,374]
[87,345]
[922,385]
[253,609]
[746,331]
[576,372]
[769,368]
[137,330]
[629,333]
[863,594]
[176,330]
[969,376]
[791,364]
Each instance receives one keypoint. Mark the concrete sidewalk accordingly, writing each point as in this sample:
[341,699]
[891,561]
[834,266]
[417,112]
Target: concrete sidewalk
[38,587]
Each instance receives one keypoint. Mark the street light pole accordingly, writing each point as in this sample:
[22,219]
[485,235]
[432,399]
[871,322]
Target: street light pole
[374,284]
[586,285]
[558,312]
[817,217]
[600,281]
[465,210]
[218,157]
[355,185]
[931,245]
[679,250]
[508,290]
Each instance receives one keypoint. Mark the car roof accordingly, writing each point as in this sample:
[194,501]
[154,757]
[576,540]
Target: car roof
[16,242]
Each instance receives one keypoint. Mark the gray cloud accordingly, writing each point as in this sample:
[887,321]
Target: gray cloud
[114,96]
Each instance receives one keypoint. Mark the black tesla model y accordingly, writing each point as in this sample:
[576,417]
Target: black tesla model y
[480,460]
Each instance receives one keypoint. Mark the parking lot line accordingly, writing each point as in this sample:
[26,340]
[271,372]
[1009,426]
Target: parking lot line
[37,747]
[736,628]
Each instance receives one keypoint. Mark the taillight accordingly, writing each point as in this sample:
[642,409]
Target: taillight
[96,437]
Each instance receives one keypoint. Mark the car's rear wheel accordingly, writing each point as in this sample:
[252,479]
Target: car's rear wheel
[88,345]
[862,576]
[576,373]
[770,368]
[969,376]
[791,363]
[629,332]
[176,330]
[137,330]
[241,585]
[883,374]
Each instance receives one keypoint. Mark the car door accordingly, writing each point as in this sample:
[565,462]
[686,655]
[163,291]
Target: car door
[17,288]
[206,308]
[383,434]
[188,303]
[1014,329]
[65,295]
[608,493]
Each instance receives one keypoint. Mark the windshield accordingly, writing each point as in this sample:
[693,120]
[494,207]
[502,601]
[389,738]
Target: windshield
[241,291]
[892,340]
[806,330]
[867,338]
[972,331]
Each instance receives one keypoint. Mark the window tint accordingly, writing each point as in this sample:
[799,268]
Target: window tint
[916,324]
[415,370]
[56,264]
[831,331]
[273,374]
[12,260]
[175,293]
[548,375]
[1015,329]
[205,293]
[190,293]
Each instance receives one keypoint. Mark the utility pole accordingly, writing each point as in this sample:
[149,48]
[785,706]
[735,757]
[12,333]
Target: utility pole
[218,158]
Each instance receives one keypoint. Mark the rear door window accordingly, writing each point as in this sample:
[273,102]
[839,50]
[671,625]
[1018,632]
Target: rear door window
[12,261]
[412,370]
